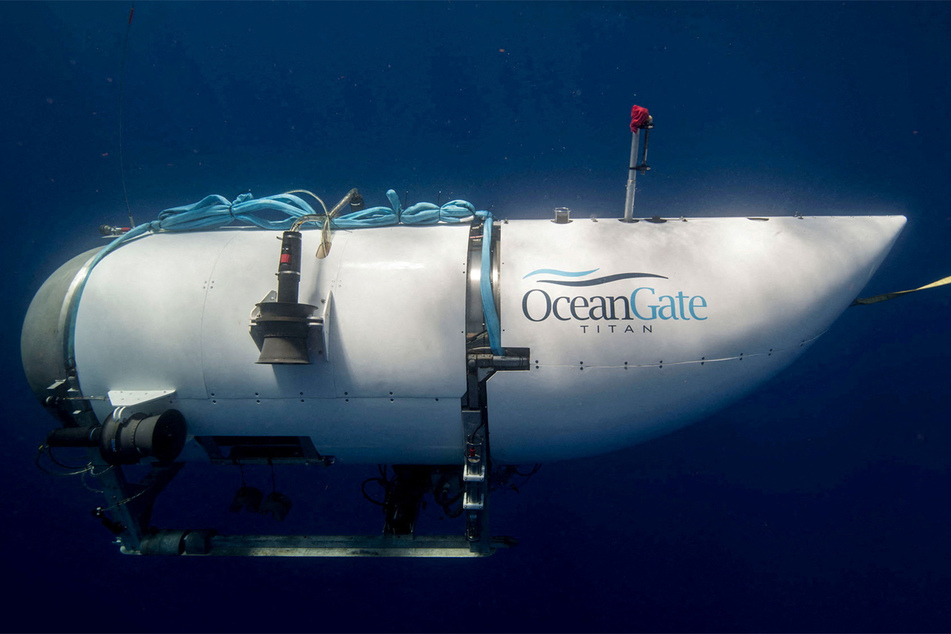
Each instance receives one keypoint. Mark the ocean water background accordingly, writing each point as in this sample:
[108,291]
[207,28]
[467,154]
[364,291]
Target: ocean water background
[817,503]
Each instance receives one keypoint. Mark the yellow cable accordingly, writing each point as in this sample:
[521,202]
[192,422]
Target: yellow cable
[304,191]
[887,296]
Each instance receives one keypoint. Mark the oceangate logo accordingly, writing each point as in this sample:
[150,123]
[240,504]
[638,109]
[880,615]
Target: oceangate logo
[643,303]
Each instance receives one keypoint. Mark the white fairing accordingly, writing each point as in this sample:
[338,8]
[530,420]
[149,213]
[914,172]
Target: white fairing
[738,300]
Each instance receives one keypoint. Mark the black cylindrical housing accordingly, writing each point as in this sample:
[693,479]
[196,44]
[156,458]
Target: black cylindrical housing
[288,272]
[356,201]
[75,437]
[126,441]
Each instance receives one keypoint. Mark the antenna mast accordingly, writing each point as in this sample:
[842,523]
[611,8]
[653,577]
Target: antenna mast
[640,120]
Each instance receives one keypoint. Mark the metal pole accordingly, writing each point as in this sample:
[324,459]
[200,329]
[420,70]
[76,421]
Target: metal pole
[631,180]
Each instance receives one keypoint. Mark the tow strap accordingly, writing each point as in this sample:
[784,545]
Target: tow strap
[887,296]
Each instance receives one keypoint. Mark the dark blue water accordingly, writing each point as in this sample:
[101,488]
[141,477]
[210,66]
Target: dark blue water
[819,503]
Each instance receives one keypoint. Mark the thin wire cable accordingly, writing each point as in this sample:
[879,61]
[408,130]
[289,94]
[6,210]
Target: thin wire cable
[125,48]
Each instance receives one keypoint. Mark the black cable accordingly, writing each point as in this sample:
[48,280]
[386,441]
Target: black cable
[383,483]
[45,449]
[49,452]
[125,47]
[530,473]
[475,431]
[501,478]
[442,485]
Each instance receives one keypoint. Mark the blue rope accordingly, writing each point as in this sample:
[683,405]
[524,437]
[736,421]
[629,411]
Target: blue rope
[491,316]
[453,212]
[214,211]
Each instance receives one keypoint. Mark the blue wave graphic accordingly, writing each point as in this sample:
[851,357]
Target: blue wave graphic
[557,272]
[601,280]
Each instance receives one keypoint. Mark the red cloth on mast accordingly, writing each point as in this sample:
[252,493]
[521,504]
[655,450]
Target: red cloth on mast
[639,117]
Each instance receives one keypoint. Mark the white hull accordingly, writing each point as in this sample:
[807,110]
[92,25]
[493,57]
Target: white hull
[730,302]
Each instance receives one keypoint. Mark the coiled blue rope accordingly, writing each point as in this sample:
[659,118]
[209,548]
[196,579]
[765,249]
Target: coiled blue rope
[452,212]
[213,212]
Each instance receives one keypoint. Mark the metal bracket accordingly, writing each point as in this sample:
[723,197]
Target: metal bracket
[128,398]
[69,404]
[281,330]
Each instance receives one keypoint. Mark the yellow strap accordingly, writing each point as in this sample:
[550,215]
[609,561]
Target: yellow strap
[886,296]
